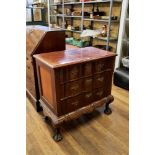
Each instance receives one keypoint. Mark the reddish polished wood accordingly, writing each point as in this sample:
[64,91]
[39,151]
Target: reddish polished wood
[39,39]
[73,56]
[79,77]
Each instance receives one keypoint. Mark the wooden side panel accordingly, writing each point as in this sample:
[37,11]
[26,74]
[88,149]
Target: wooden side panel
[32,39]
[52,41]
[30,83]
[46,83]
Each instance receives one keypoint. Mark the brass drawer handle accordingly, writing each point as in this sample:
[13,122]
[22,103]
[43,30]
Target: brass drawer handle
[75,103]
[100,79]
[99,93]
[74,73]
[88,95]
[74,88]
[101,66]
[89,81]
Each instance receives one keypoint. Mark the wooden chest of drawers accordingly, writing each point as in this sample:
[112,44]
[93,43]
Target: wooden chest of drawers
[74,82]
[39,39]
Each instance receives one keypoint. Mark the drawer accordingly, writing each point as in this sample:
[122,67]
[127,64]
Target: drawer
[73,72]
[98,93]
[87,69]
[99,80]
[71,104]
[87,84]
[108,82]
[62,75]
[104,64]
[72,88]
[88,97]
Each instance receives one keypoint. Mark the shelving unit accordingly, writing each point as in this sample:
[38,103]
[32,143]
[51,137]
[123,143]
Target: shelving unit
[61,18]
[123,40]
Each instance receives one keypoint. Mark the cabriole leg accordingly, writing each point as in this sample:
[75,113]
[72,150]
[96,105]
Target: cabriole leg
[57,136]
[38,107]
[108,110]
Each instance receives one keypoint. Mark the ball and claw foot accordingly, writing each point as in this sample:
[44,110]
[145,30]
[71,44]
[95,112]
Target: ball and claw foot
[57,136]
[107,111]
[46,118]
[39,108]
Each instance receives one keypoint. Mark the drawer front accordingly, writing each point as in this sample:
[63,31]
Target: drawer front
[87,84]
[108,82]
[72,88]
[99,66]
[62,75]
[88,98]
[104,64]
[71,104]
[99,80]
[87,69]
[99,93]
[109,63]
[73,72]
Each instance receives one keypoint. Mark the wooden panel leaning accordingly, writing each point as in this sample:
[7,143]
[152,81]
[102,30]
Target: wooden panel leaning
[74,82]
[39,39]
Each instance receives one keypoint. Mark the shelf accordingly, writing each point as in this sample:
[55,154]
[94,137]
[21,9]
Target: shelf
[106,19]
[35,7]
[87,19]
[73,31]
[99,1]
[72,16]
[72,3]
[59,15]
[100,20]
[102,1]
[105,38]
[55,4]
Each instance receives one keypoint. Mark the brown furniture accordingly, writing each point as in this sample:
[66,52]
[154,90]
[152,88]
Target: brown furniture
[39,39]
[68,47]
[74,82]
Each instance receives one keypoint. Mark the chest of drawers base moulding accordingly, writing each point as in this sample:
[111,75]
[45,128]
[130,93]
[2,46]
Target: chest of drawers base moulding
[74,82]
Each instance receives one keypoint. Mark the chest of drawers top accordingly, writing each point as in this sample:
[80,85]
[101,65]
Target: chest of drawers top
[71,57]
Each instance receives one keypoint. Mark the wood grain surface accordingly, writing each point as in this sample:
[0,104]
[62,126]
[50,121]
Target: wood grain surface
[39,39]
[93,134]
[72,56]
